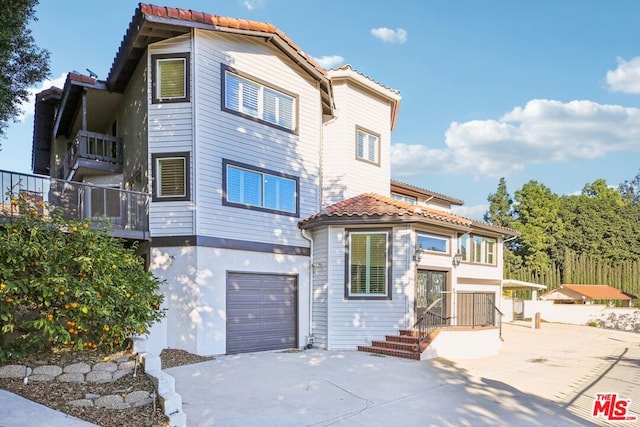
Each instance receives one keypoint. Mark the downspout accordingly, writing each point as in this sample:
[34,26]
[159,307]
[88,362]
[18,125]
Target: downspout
[310,337]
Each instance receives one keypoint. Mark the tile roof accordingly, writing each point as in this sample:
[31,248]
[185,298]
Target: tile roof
[218,21]
[597,291]
[348,67]
[428,193]
[152,23]
[370,205]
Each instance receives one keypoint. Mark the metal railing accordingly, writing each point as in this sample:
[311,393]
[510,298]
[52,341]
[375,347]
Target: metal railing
[124,212]
[93,146]
[432,318]
[472,309]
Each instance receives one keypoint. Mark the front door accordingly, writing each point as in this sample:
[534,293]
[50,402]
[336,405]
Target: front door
[430,287]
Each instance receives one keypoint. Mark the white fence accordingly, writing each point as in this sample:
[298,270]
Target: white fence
[626,319]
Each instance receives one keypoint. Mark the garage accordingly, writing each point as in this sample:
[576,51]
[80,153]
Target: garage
[261,312]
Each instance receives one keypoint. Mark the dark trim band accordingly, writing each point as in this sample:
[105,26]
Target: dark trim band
[222,243]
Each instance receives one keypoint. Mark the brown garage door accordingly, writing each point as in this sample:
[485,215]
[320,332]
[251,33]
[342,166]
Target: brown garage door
[261,312]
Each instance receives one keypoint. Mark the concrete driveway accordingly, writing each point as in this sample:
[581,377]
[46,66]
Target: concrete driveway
[543,377]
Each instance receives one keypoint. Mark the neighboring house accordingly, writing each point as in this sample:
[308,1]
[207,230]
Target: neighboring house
[272,217]
[587,294]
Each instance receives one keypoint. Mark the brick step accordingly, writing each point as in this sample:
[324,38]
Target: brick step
[395,345]
[413,355]
[408,333]
[402,338]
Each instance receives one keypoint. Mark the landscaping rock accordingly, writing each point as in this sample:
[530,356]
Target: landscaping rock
[12,371]
[41,377]
[91,396]
[137,396]
[105,366]
[80,368]
[51,370]
[98,377]
[111,401]
[120,373]
[129,365]
[81,403]
[71,377]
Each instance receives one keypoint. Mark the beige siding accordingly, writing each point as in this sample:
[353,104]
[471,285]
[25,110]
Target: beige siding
[170,129]
[222,135]
[132,124]
[343,175]
[358,322]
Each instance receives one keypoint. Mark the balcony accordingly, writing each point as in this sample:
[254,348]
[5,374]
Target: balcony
[125,213]
[94,152]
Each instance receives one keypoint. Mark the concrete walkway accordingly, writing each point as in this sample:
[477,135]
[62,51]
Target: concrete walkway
[543,377]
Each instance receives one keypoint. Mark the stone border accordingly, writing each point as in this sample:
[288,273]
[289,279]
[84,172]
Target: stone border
[165,384]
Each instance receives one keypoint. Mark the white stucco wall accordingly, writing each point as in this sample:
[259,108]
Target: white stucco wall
[195,294]
[464,344]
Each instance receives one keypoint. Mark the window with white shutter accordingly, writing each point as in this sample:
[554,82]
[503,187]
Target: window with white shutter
[368,265]
[367,146]
[170,78]
[171,173]
[258,101]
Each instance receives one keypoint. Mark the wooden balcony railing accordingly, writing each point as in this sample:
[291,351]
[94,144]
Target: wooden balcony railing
[93,151]
[126,213]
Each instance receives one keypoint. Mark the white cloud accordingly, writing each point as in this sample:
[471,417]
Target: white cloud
[541,131]
[388,35]
[625,78]
[252,4]
[473,212]
[28,107]
[329,61]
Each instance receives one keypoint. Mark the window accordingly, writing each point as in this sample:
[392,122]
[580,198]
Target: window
[257,188]
[367,146]
[403,198]
[433,243]
[477,249]
[368,273]
[171,173]
[170,78]
[258,101]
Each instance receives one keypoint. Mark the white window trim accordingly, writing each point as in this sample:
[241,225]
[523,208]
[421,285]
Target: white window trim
[366,147]
[446,239]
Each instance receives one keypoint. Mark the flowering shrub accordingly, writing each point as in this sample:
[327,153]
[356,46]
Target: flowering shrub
[64,283]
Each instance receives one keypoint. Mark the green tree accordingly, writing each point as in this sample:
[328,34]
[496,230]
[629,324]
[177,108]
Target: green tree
[500,204]
[22,63]
[64,283]
[537,218]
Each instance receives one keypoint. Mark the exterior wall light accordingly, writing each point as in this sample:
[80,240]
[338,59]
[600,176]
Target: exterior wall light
[457,259]
[417,253]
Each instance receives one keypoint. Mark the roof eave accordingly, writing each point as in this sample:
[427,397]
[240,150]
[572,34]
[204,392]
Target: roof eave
[141,33]
[378,219]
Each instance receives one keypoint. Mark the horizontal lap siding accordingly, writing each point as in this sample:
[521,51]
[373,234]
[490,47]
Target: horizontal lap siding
[320,287]
[133,126]
[358,322]
[171,130]
[225,135]
[355,108]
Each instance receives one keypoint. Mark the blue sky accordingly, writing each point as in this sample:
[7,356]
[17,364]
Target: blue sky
[543,90]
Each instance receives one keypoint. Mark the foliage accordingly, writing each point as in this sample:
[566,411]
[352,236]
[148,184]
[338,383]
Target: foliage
[64,283]
[22,63]
[588,238]
[500,204]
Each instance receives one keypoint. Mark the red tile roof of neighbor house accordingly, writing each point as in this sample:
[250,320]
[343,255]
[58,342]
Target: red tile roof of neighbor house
[597,292]
[370,205]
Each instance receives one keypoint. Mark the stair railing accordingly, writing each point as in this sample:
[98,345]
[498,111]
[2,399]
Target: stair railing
[428,322]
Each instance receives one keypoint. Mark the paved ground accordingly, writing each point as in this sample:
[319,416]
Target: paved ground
[543,377]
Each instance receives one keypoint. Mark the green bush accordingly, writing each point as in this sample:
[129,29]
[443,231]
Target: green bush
[66,284]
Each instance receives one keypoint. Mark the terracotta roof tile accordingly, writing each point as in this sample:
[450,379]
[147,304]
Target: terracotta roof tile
[189,15]
[375,205]
[81,78]
[597,291]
